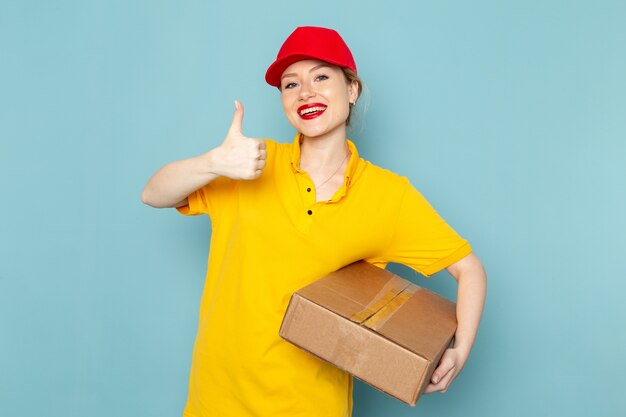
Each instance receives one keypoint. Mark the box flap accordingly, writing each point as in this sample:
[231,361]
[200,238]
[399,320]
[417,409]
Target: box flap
[356,291]
[430,317]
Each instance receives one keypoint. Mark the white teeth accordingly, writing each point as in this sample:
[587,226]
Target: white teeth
[311,110]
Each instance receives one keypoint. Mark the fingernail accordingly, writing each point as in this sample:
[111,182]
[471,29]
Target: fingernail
[236,107]
[435,379]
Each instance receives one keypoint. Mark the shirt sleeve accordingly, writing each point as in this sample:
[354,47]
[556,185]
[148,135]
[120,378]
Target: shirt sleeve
[422,240]
[207,199]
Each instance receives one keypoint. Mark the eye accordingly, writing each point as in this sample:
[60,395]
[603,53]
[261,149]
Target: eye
[321,77]
[289,85]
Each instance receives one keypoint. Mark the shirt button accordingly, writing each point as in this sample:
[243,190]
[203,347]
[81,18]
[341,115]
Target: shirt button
[310,212]
[308,190]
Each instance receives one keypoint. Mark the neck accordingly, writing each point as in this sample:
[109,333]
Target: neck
[322,151]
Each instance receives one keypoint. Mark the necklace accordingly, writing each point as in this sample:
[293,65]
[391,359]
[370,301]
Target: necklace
[333,174]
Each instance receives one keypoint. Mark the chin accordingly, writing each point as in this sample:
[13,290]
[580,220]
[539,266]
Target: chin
[315,130]
[311,133]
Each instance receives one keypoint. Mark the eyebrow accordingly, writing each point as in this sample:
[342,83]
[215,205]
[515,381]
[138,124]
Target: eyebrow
[292,74]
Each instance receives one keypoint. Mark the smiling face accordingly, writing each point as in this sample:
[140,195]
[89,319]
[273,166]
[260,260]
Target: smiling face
[316,97]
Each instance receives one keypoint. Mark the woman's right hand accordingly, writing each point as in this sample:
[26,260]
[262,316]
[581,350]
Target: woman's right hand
[239,157]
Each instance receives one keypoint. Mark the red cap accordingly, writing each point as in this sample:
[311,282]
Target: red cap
[310,42]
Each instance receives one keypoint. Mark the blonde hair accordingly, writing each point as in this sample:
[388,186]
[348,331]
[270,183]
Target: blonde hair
[350,78]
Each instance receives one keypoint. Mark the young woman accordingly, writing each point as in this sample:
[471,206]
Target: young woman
[284,215]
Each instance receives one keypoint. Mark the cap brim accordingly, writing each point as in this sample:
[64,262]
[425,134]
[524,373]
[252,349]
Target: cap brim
[275,71]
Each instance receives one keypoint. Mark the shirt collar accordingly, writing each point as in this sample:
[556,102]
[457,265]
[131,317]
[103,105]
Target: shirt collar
[352,163]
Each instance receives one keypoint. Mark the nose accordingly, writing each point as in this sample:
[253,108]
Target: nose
[306,91]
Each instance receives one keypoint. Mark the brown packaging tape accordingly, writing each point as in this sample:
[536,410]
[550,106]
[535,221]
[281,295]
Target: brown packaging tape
[391,289]
[377,320]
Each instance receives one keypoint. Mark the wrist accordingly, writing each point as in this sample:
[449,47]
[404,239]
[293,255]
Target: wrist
[462,347]
[208,163]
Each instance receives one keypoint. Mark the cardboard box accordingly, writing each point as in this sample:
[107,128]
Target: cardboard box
[380,328]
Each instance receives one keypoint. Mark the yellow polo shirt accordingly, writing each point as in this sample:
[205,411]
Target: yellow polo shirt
[271,238]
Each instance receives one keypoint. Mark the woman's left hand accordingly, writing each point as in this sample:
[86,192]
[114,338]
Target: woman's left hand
[472,286]
[449,367]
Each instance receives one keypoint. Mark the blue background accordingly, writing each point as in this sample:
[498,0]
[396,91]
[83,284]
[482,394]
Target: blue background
[510,117]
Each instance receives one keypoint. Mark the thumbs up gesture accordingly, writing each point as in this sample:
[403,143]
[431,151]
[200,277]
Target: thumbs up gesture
[239,157]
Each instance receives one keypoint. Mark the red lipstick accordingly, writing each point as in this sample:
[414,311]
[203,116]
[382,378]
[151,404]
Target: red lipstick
[311,110]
